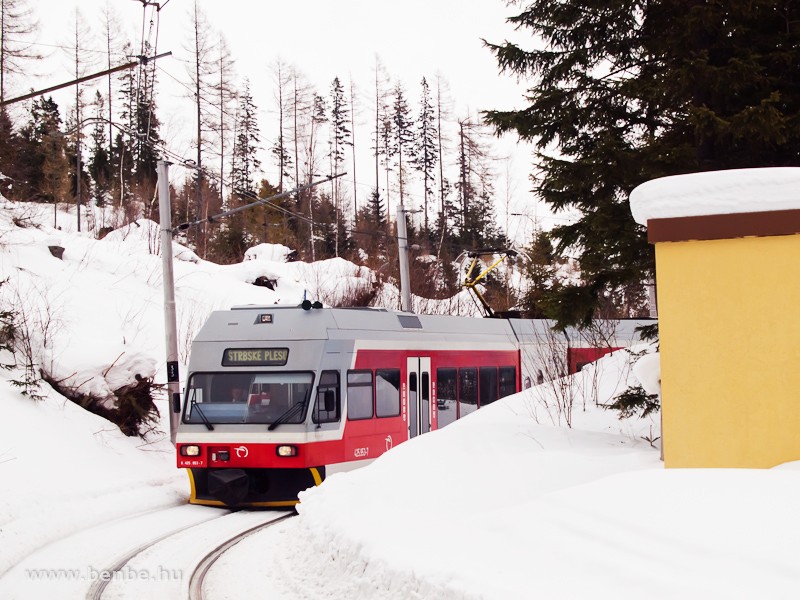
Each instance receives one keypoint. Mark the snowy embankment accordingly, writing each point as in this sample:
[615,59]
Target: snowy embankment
[507,503]
[500,506]
[93,321]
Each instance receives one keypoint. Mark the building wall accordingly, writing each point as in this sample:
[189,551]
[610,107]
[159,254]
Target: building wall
[730,351]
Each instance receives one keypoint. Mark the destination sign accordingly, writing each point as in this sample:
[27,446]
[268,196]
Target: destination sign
[255,357]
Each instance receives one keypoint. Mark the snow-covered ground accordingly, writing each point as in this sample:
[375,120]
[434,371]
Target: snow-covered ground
[506,503]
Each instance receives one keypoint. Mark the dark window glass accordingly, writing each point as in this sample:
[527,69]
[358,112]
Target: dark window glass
[359,395]
[446,396]
[327,408]
[387,392]
[508,381]
[248,397]
[467,391]
[425,399]
[488,385]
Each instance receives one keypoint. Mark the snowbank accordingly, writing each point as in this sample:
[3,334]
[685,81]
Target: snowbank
[717,192]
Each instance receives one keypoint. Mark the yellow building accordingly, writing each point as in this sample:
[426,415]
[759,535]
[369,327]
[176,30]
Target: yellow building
[728,279]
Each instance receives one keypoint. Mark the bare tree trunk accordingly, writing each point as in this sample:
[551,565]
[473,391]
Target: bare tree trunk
[198,99]
[353,149]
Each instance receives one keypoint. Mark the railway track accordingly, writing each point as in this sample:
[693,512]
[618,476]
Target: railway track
[177,545]
[203,567]
[100,584]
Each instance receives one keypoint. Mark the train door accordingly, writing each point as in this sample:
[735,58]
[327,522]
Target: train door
[418,384]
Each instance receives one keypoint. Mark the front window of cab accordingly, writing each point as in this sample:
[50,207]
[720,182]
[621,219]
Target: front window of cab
[247,397]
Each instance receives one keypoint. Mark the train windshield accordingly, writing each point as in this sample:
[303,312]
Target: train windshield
[247,397]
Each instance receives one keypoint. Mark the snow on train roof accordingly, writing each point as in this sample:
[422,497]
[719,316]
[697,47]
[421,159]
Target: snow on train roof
[601,333]
[717,192]
[293,323]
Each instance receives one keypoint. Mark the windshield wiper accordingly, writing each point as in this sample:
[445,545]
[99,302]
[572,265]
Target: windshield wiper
[289,413]
[195,405]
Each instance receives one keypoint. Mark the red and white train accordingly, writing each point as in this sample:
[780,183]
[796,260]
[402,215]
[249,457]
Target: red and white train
[279,397]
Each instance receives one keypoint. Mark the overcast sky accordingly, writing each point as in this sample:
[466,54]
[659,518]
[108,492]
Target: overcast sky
[322,39]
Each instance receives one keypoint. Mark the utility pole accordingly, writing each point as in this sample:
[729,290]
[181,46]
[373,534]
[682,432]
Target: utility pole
[402,255]
[170,325]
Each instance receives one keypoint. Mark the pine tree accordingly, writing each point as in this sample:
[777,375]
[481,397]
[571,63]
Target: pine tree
[443,231]
[469,155]
[426,148]
[81,62]
[299,109]
[10,154]
[539,269]
[382,133]
[280,149]
[630,91]
[340,138]
[44,155]
[136,152]
[99,160]
[224,96]
[386,135]
[317,118]
[245,162]
[123,144]
[110,28]
[402,128]
[201,78]
[353,110]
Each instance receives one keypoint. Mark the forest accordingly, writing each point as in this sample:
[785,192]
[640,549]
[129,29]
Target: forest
[618,94]
[101,150]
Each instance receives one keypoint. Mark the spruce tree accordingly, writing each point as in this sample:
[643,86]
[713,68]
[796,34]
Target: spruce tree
[280,149]
[538,265]
[245,162]
[341,136]
[380,139]
[145,149]
[629,91]
[10,157]
[99,163]
[201,79]
[473,217]
[403,134]
[426,149]
[44,155]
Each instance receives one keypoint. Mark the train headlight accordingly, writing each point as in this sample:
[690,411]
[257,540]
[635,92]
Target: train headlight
[190,450]
[286,450]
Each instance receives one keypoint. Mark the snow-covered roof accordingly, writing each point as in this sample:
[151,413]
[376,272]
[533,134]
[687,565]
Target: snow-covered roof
[717,192]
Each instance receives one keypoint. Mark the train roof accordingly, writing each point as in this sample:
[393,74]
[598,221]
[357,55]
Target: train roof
[294,323]
[254,323]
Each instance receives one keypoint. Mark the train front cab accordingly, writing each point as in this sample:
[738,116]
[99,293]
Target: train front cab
[261,449]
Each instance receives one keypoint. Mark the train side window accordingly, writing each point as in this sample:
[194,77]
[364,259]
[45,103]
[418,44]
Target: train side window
[446,396]
[387,392]
[327,408]
[488,385]
[467,391]
[508,381]
[359,395]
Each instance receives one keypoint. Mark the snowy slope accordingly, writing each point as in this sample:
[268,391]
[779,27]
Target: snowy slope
[506,503]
